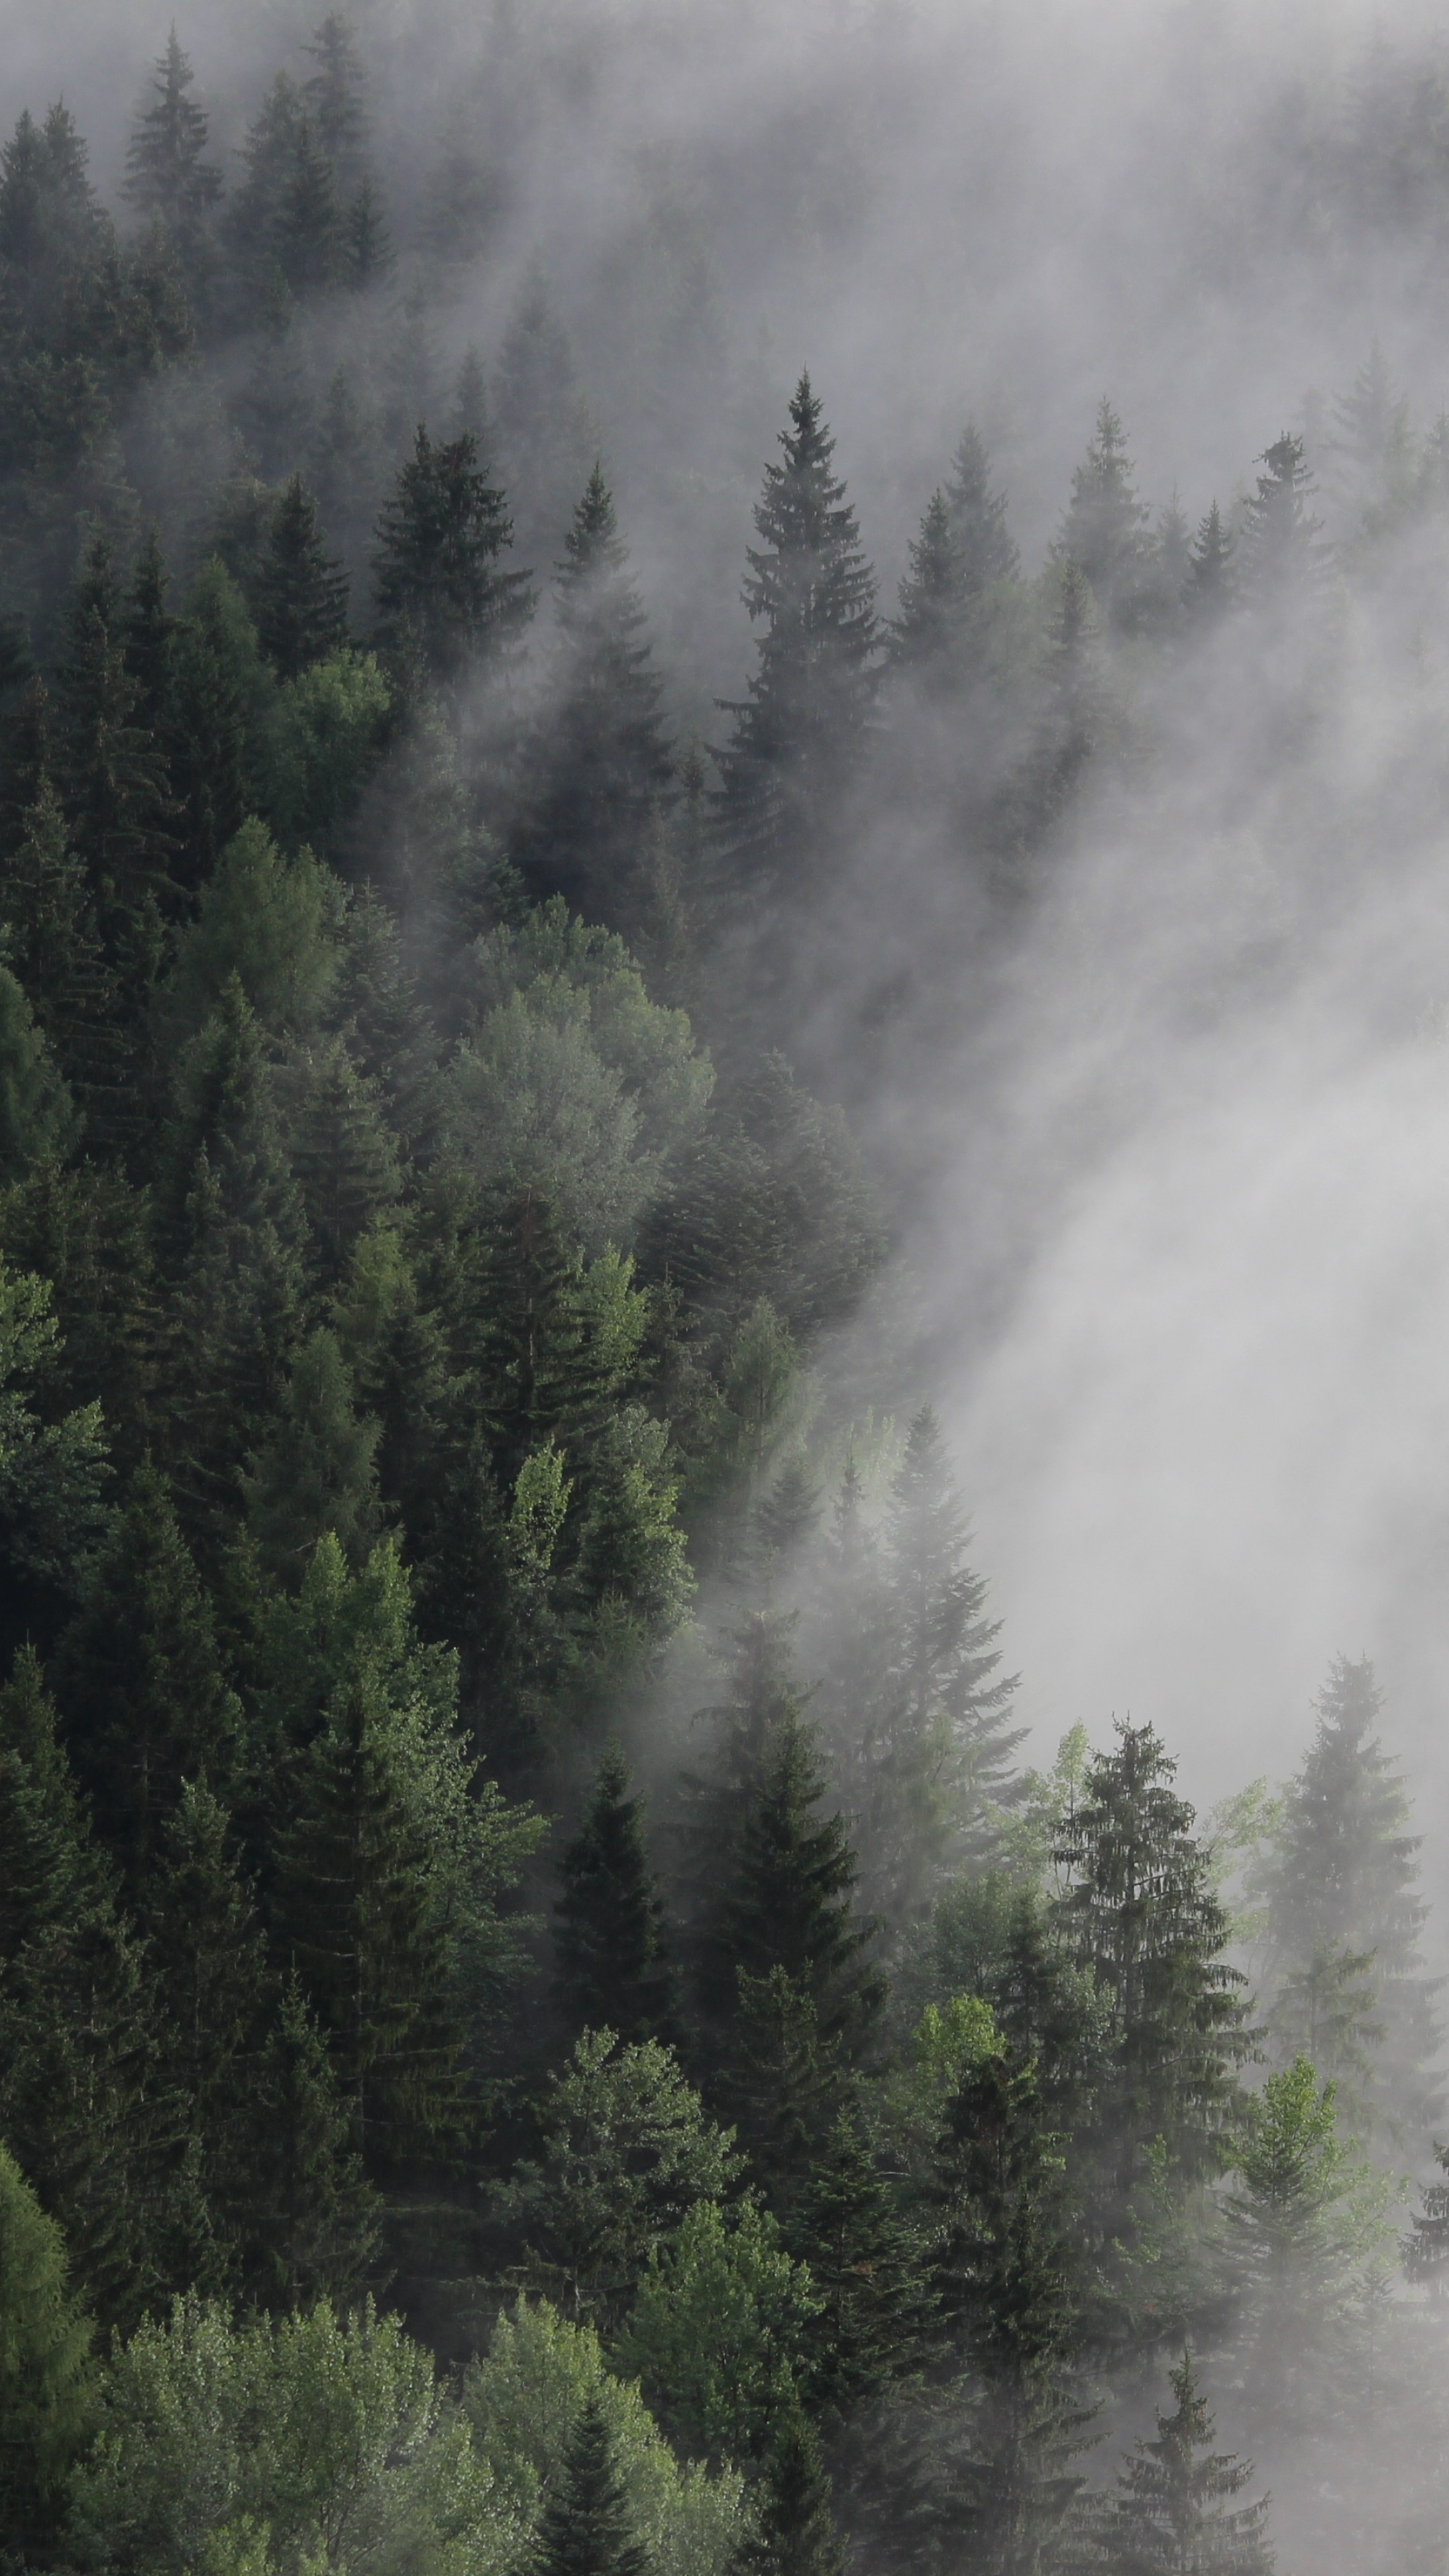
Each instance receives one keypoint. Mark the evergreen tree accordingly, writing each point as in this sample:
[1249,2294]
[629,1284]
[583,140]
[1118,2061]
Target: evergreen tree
[48,1866]
[46,2389]
[113,777]
[301,596]
[1074,719]
[438,578]
[962,555]
[1212,573]
[1282,554]
[368,252]
[222,688]
[139,1681]
[316,1470]
[1345,1916]
[1140,1910]
[782,1971]
[796,2534]
[49,915]
[610,1945]
[308,226]
[1102,532]
[345,1161]
[335,93]
[51,222]
[585,2529]
[359,1913]
[269,154]
[869,2265]
[310,2220]
[166,173]
[543,430]
[601,759]
[800,733]
[1005,2279]
[1176,2513]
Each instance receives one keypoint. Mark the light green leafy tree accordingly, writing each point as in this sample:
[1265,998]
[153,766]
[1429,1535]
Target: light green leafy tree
[720,2331]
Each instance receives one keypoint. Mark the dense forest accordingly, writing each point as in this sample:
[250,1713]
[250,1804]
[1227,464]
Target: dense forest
[551,2018]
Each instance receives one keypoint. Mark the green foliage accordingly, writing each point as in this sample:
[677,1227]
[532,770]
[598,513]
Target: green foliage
[272,923]
[720,2333]
[585,2527]
[281,2445]
[45,2364]
[327,733]
[610,1941]
[525,2400]
[37,1118]
[52,1474]
[627,2153]
[315,1472]
[440,586]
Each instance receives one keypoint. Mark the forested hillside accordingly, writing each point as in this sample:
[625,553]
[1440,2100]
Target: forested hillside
[551,2019]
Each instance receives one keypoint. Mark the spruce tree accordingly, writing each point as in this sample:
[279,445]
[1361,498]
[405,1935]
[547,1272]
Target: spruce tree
[113,776]
[221,691]
[438,576]
[315,1471]
[1102,532]
[870,2266]
[963,555]
[1345,1917]
[1140,1910]
[610,1945]
[586,2529]
[1282,556]
[138,1678]
[300,600]
[345,1161]
[796,2533]
[308,2227]
[1176,2512]
[1212,572]
[49,1867]
[601,760]
[544,436]
[359,1914]
[308,225]
[800,733]
[166,172]
[782,1968]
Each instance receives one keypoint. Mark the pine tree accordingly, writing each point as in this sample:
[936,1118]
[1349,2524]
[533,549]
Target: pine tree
[1005,2280]
[301,595]
[345,1161]
[51,222]
[1102,532]
[438,579]
[309,2226]
[1140,1910]
[335,93]
[782,1970]
[368,253]
[1212,574]
[1345,1917]
[1176,2513]
[315,1472]
[166,173]
[1282,554]
[46,2393]
[869,2265]
[221,691]
[963,554]
[601,760]
[307,231]
[609,1941]
[139,1682]
[269,154]
[359,1914]
[796,2534]
[113,777]
[800,733]
[585,2530]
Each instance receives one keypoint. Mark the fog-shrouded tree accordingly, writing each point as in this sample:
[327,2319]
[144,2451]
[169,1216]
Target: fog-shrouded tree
[962,555]
[1345,1918]
[440,582]
[1283,556]
[300,599]
[800,732]
[1104,529]
[1178,2508]
[610,1941]
[167,173]
[601,759]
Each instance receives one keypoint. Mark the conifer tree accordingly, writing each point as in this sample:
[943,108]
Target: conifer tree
[800,732]
[113,776]
[268,153]
[585,2530]
[1102,532]
[315,1472]
[48,1865]
[1074,719]
[438,577]
[963,553]
[1282,553]
[1176,2512]
[782,1970]
[335,93]
[1212,573]
[222,686]
[139,1681]
[614,1969]
[166,172]
[601,758]
[869,2265]
[1345,1916]
[51,221]
[367,242]
[359,1913]
[543,431]
[308,225]
[345,1161]
[46,2390]
[309,2224]
[300,599]
[1140,1910]
[796,2533]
